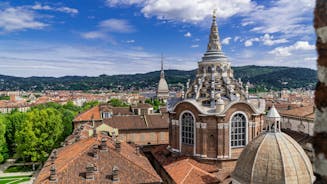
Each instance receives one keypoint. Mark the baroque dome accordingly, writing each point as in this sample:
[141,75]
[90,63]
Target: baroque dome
[273,157]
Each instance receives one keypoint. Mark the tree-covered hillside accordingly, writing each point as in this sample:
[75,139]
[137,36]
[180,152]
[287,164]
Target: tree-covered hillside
[263,77]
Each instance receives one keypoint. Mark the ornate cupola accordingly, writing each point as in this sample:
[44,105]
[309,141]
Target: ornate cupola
[215,79]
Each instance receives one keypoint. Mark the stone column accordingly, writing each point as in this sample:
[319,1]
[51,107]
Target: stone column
[250,131]
[320,135]
[226,140]
[220,142]
[204,137]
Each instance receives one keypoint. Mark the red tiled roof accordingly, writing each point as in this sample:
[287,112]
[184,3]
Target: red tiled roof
[185,170]
[304,112]
[137,122]
[93,113]
[72,160]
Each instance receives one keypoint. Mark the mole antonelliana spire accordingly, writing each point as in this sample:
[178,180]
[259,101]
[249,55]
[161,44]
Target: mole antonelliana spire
[162,73]
[163,90]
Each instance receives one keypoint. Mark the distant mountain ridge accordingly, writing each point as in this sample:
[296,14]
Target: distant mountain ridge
[262,77]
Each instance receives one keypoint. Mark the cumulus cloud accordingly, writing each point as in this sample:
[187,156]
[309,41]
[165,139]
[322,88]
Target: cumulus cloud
[188,34]
[287,51]
[187,10]
[195,46]
[19,18]
[226,40]
[249,42]
[268,39]
[290,17]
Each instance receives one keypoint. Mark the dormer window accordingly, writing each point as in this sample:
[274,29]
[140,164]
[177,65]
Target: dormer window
[106,115]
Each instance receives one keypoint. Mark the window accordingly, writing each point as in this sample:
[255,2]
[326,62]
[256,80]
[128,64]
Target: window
[187,128]
[238,130]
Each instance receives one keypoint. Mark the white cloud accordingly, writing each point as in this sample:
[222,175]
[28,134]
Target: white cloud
[249,42]
[67,10]
[22,58]
[130,41]
[226,40]
[289,17]
[268,39]
[64,9]
[105,27]
[93,35]
[194,46]
[287,51]
[19,18]
[187,10]
[188,34]
[236,38]
[116,25]
[27,16]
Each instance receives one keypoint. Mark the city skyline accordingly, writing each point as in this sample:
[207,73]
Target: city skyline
[119,37]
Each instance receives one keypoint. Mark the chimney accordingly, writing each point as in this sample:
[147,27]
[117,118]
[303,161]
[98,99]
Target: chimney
[89,175]
[95,132]
[53,155]
[117,145]
[53,175]
[95,151]
[77,137]
[137,150]
[103,145]
[115,174]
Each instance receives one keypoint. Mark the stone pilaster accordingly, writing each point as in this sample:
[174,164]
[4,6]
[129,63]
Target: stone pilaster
[205,137]
[220,142]
[226,140]
[198,140]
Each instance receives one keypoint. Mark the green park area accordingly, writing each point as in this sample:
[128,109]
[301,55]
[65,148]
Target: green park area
[14,179]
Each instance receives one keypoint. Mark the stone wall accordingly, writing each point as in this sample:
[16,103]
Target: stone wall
[320,137]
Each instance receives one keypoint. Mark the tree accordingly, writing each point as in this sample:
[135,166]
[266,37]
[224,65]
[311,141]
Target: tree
[40,133]
[89,105]
[117,103]
[3,146]
[13,121]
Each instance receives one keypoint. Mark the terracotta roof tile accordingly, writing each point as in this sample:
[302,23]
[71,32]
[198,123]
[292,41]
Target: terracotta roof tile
[307,111]
[89,114]
[185,170]
[72,160]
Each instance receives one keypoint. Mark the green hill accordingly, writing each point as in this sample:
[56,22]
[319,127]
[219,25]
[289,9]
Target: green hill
[263,77]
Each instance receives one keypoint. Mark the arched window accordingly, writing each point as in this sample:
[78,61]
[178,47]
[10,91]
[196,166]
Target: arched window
[238,130]
[187,128]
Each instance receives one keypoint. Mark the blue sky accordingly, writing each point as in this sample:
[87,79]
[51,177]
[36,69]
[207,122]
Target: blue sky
[93,37]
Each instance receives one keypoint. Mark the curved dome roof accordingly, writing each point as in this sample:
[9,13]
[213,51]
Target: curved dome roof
[163,86]
[273,158]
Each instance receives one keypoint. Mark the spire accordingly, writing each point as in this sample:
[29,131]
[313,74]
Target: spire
[214,40]
[162,73]
[214,52]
